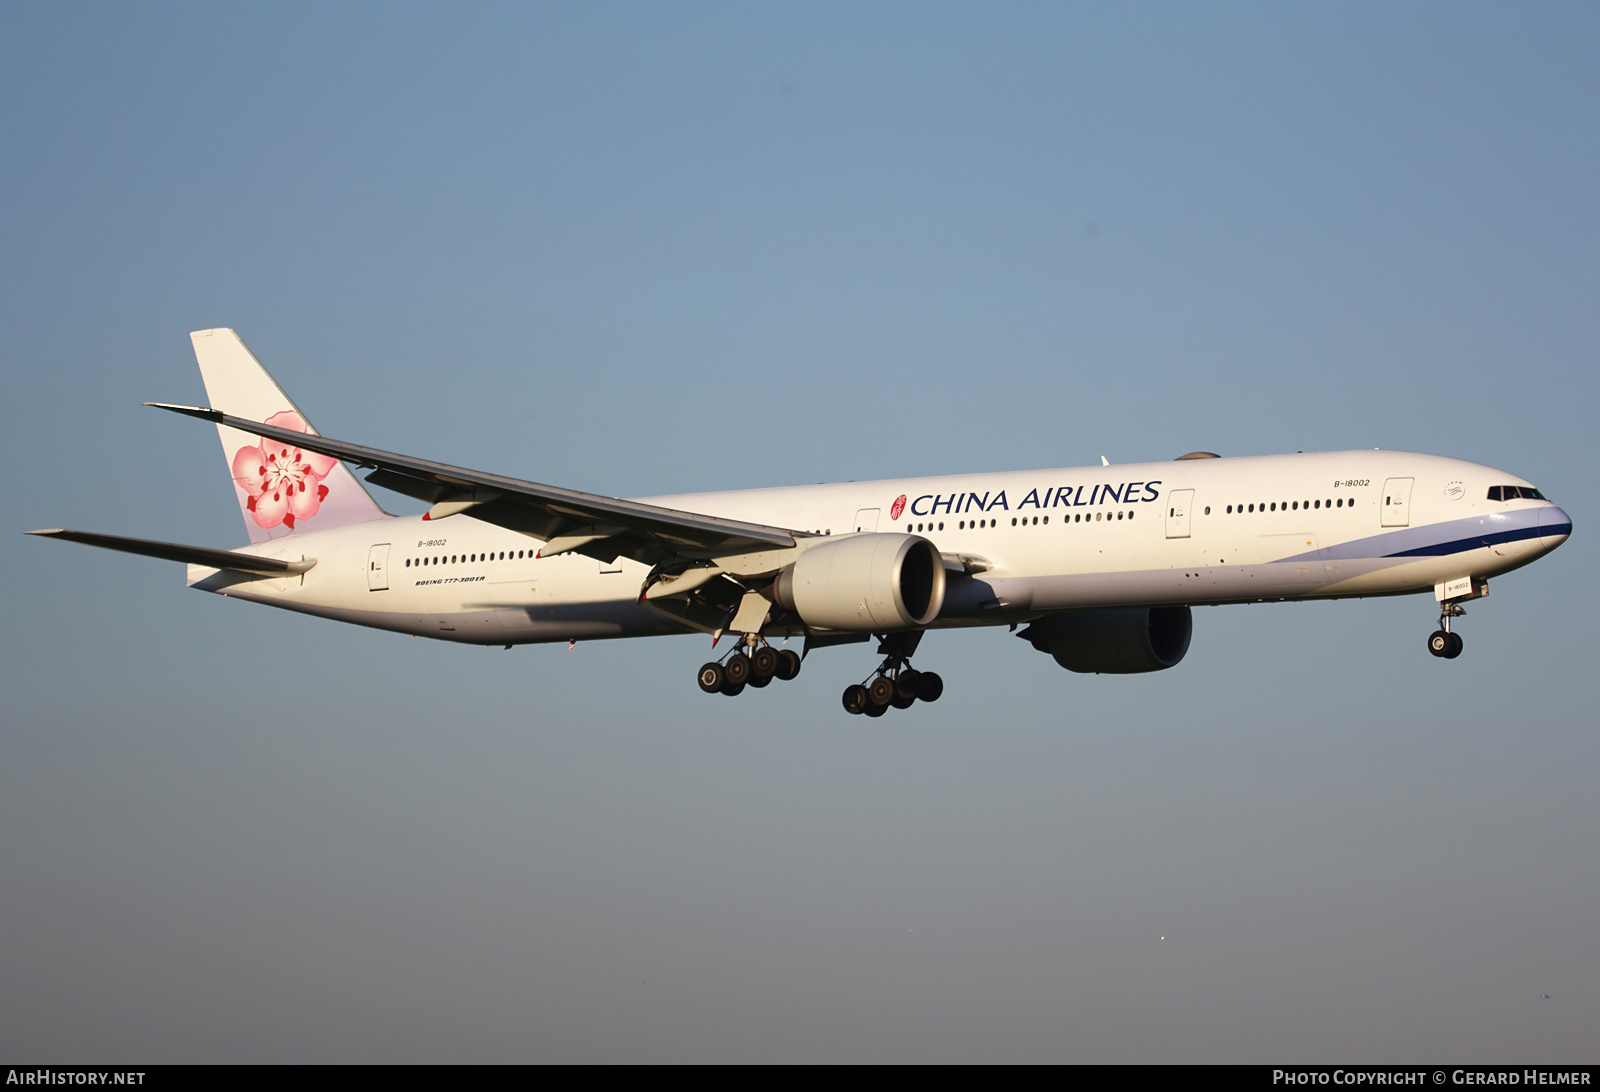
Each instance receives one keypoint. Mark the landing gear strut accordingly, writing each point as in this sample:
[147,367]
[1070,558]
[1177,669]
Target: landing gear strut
[757,668]
[1442,642]
[895,683]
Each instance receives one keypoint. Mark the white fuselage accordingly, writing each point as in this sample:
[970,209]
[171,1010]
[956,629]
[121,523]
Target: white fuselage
[1322,525]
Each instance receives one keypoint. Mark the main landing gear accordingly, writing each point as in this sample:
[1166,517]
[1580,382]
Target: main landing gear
[1442,642]
[896,683]
[757,668]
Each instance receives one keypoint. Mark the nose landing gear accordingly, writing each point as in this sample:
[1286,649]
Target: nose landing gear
[1443,642]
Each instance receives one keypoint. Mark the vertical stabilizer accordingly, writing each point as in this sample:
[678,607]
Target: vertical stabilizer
[281,489]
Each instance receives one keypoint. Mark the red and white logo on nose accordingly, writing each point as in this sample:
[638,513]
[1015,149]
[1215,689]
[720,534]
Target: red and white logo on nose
[897,507]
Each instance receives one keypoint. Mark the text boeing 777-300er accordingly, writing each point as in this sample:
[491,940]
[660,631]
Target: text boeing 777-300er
[1101,563]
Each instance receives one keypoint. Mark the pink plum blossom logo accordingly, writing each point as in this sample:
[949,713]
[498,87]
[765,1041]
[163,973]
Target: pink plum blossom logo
[284,483]
[897,507]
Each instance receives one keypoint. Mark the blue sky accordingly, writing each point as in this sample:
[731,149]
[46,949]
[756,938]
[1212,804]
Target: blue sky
[640,249]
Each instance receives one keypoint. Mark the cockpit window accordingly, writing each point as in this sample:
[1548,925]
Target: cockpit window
[1513,492]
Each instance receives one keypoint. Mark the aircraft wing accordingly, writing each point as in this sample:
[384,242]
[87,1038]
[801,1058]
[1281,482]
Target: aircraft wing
[603,527]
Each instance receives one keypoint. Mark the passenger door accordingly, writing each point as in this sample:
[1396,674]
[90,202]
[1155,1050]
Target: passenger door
[867,519]
[1397,502]
[1179,501]
[378,567]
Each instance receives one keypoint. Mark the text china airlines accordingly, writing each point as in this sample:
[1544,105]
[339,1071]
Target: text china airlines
[933,504]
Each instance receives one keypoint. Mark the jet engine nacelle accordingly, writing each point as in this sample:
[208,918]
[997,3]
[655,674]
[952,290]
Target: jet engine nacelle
[865,583]
[1114,642]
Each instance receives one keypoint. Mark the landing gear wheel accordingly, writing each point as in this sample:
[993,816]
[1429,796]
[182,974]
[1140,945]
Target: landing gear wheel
[712,677]
[855,699]
[788,664]
[875,710]
[929,686]
[1439,642]
[732,689]
[738,668]
[881,692]
[758,681]
[905,685]
[1455,646]
[764,662]
[902,700]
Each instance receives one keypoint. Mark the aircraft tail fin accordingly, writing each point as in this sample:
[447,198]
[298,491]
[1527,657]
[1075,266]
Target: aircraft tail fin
[281,488]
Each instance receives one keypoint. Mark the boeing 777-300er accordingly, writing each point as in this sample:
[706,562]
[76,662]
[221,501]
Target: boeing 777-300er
[1101,565]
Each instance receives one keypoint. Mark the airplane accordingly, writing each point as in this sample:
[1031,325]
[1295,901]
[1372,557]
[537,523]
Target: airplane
[1099,565]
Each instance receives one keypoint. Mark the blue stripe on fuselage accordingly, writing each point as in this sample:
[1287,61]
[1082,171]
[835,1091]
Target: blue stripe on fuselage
[1440,539]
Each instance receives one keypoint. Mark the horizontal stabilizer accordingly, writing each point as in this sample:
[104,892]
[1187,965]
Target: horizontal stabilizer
[192,555]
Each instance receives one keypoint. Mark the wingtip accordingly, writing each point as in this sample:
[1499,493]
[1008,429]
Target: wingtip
[48,531]
[205,413]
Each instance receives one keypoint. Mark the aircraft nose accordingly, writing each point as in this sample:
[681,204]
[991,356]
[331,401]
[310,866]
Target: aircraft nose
[1554,527]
